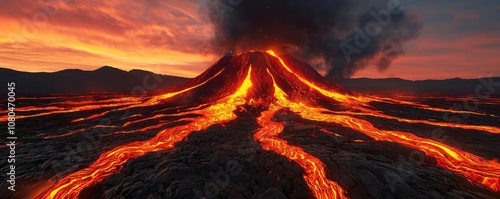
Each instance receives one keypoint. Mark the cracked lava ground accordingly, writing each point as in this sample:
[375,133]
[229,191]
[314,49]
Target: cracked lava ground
[257,125]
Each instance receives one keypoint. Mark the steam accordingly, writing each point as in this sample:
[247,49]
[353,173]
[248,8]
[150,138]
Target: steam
[340,36]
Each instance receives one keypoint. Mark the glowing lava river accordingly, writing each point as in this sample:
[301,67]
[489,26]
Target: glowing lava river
[257,125]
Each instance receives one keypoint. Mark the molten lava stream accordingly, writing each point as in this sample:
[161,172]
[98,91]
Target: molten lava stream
[78,131]
[489,129]
[151,102]
[71,110]
[34,108]
[473,167]
[314,169]
[96,102]
[331,94]
[422,106]
[111,161]
[148,128]
[315,175]
[360,100]
[157,99]
[158,117]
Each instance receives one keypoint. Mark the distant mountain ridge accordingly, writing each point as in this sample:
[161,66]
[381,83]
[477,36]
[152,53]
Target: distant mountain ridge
[397,85]
[104,79]
[110,79]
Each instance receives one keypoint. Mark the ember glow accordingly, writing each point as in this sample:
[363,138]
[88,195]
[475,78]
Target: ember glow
[265,84]
[314,169]
[471,166]
[110,162]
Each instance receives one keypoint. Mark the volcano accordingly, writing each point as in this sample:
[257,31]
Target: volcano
[264,70]
[258,125]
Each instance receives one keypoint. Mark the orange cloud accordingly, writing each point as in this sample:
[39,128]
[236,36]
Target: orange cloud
[169,37]
[165,37]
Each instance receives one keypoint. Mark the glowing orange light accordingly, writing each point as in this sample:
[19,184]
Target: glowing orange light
[110,162]
[473,167]
[314,169]
[335,95]
[155,100]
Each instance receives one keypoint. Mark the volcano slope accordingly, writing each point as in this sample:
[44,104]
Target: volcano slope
[256,125]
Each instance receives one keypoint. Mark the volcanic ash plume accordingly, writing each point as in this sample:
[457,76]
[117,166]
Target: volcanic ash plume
[342,36]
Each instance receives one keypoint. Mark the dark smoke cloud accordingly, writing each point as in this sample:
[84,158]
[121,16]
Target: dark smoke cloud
[325,30]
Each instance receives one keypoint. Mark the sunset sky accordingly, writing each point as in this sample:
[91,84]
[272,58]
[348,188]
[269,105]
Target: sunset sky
[459,38]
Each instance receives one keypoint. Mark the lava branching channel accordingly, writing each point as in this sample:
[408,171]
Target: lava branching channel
[266,84]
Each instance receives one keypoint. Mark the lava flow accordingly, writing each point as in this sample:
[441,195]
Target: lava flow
[258,85]
[109,162]
[315,174]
